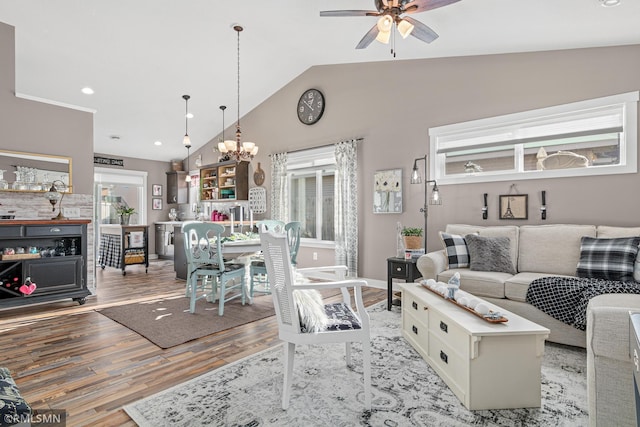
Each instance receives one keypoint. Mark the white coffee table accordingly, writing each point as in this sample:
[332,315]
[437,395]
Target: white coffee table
[486,365]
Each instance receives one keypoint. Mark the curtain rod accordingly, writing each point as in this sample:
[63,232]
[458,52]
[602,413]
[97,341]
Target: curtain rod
[320,146]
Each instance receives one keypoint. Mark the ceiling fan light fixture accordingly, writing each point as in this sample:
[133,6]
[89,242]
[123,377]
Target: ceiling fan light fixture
[405,28]
[383,37]
[385,23]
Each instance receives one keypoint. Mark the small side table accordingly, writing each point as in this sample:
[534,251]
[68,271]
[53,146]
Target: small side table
[400,268]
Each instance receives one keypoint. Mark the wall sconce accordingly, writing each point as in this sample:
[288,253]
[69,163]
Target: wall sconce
[543,208]
[485,209]
[55,195]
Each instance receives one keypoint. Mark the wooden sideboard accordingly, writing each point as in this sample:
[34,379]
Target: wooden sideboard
[54,259]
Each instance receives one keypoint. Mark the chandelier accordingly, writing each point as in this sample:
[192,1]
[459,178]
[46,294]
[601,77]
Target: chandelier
[237,150]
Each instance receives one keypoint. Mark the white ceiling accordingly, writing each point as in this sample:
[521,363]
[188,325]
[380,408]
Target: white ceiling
[141,56]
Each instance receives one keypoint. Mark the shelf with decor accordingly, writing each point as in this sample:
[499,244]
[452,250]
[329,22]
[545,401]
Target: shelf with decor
[224,181]
[123,245]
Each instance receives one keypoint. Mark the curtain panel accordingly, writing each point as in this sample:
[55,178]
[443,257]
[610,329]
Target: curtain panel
[279,188]
[346,206]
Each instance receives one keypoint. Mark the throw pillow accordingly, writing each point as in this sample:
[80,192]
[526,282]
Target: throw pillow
[610,259]
[456,250]
[310,308]
[490,253]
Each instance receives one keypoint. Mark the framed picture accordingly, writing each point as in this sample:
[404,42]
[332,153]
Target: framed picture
[514,206]
[387,191]
[156,190]
[157,204]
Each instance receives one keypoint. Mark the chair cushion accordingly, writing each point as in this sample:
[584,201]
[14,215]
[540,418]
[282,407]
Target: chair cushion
[341,317]
[258,263]
[12,405]
[232,267]
[456,250]
[611,259]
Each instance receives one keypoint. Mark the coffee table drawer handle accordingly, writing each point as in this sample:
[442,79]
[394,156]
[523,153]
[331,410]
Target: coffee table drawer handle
[414,305]
[444,357]
[414,329]
[444,327]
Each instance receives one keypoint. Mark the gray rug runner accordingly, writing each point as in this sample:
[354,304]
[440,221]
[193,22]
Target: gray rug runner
[406,391]
[168,323]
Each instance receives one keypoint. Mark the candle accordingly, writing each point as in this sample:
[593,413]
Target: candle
[251,220]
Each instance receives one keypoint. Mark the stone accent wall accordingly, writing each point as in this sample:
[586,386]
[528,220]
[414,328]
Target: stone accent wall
[31,206]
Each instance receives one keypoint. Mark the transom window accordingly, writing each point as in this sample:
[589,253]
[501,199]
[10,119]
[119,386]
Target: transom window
[594,137]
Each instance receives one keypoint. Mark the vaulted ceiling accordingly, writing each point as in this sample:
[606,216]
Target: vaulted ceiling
[141,56]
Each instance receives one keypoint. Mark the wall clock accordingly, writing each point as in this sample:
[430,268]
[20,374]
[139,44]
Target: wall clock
[310,106]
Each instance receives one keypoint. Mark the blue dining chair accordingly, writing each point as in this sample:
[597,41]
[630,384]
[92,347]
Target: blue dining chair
[257,270]
[293,236]
[206,269]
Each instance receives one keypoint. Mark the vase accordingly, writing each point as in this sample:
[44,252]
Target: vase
[124,219]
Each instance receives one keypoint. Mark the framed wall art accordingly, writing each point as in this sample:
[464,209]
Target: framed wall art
[157,204]
[514,206]
[387,191]
[156,190]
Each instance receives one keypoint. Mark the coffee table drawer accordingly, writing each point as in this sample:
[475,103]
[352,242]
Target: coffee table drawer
[449,332]
[452,367]
[416,330]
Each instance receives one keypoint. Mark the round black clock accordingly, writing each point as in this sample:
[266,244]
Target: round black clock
[310,106]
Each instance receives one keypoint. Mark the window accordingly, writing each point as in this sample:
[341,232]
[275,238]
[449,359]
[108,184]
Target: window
[311,176]
[594,137]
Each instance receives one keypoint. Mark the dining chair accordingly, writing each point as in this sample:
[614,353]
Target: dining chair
[293,235]
[344,325]
[206,269]
[257,270]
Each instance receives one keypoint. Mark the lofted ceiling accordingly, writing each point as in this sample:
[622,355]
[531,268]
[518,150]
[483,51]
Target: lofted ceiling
[141,56]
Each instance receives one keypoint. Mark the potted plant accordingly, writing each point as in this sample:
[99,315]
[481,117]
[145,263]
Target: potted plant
[412,237]
[125,214]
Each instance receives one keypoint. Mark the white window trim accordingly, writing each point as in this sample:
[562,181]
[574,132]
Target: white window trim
[629,149]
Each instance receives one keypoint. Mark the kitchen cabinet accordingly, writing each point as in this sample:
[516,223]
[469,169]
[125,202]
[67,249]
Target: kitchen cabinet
[54,260]
[177,191]
[225,181]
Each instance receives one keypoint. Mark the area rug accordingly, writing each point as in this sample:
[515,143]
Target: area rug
[168,322]
[406,391]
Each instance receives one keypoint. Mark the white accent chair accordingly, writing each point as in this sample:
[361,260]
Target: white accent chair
[282,278]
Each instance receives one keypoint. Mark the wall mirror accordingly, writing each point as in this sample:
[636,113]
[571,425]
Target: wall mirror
[34,172]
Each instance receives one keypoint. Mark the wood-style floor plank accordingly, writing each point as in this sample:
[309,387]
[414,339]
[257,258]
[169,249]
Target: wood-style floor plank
[66,356]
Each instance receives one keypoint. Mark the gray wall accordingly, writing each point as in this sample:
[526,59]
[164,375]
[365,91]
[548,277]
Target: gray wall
[393,104]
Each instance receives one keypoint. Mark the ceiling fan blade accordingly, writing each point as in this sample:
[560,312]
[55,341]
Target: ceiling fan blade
[349,13]
[421,31]
[369,37]
[418,6]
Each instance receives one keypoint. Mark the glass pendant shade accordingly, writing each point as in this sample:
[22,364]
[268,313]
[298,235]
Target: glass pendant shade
[435,196]
[186,141]
[230,145]
[415,175]
[221,147]
[383,37]
[248,146]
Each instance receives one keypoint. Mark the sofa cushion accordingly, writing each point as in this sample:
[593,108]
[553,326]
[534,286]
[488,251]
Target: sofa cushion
[479,283]
[515,288]
[462,229]
[551,249]
[611,259]
[490,253]
[456,250]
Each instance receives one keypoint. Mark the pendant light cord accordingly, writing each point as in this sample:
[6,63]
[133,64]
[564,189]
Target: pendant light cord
[238,28]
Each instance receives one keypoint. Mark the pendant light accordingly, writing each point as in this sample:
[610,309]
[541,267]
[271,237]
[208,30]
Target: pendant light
[221,146]
[186,141]
[235,149]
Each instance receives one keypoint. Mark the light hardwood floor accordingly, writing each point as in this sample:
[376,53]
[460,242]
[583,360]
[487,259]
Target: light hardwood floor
[66,356]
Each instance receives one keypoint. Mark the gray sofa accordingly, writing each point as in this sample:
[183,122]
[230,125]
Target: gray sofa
[554,250]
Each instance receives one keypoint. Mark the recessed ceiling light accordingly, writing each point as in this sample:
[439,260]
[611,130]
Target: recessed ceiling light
[610,3]
[87,91]
[157,143]
[189,115]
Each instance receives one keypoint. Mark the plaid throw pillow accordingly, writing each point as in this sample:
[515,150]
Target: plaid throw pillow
[610,259]
[456,250]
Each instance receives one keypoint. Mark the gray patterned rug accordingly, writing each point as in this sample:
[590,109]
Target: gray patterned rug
[406,391]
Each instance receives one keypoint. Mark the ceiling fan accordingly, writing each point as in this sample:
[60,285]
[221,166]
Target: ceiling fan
[390,13]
